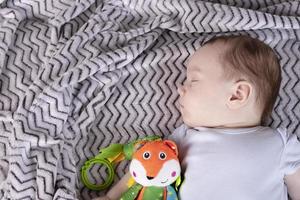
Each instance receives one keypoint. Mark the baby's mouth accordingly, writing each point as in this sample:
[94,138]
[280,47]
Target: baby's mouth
[180,103]
[164,181]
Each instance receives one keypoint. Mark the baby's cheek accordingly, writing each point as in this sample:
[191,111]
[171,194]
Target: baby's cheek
[173,174]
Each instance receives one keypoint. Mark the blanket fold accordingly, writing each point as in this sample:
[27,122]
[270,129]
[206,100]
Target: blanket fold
[79,75]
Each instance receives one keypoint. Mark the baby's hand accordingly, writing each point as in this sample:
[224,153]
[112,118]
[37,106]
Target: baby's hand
[102,198]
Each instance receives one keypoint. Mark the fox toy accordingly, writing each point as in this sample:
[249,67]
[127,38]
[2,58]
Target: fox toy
[154,167]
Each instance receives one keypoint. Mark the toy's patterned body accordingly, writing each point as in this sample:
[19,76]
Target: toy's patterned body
[154,168]
[152,193]
[166,193]
[138,192]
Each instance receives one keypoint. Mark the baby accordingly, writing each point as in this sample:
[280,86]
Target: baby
[225,152]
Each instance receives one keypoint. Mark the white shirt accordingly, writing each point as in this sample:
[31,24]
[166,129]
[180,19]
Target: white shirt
[235,164]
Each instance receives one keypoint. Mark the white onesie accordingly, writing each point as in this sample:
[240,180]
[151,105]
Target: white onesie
[235,164]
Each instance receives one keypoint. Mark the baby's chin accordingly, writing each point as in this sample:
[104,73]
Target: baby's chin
[193,121]
[193,124]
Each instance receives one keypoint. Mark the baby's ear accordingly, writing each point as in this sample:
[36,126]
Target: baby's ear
[240,94]
[172,146]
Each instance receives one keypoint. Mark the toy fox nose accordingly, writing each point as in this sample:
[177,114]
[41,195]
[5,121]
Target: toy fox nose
[150,177]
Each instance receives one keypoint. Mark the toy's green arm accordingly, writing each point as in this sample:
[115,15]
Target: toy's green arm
[132,192]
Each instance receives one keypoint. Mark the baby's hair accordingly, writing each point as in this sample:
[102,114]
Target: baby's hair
[253,60]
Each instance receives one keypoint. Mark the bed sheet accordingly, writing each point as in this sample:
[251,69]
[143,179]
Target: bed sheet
[79,75]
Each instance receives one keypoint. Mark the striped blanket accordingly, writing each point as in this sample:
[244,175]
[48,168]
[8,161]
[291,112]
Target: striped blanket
[79,75]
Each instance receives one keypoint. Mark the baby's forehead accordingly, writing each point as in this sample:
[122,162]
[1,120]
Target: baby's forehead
[206,55]
[215,48]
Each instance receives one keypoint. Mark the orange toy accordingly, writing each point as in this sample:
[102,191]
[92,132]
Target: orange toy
[154,167]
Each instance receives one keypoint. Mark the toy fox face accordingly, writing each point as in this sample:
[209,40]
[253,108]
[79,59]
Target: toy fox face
[155,164]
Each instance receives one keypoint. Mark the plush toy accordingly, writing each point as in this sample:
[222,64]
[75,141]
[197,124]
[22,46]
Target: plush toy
[154,167]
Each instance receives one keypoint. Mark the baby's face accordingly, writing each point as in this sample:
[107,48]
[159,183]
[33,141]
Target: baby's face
[205,92]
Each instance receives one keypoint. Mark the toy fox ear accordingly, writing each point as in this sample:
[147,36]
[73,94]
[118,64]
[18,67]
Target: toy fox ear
[172,146]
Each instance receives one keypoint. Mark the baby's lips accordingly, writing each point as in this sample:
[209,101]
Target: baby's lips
[179,103]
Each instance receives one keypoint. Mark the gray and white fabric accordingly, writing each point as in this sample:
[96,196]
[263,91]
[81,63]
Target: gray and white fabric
[79,75]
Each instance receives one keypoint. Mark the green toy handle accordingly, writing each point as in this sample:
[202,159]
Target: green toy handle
[88,164]
[108,157]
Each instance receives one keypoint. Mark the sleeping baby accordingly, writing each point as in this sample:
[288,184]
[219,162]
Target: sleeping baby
[225,151]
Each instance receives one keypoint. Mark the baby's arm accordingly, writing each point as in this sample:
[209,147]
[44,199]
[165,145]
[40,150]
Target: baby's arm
[293,184]
[117,190]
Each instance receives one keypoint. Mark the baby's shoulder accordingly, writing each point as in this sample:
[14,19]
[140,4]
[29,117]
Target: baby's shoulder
[284,134]
[178,134]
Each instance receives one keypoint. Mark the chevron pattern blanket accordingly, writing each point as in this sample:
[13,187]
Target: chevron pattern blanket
[79,75]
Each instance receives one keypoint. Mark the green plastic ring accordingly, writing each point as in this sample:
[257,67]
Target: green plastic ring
[84,174]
